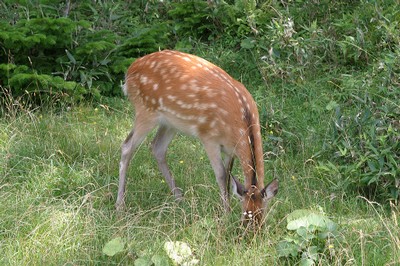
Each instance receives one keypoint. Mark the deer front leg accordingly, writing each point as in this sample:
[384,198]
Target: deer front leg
[214,154]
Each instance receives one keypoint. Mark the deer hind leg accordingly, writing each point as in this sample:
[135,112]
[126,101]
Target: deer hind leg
[160,144]
[142,126]
[214,154]
[228,163]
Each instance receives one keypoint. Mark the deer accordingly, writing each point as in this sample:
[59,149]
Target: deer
[180,92]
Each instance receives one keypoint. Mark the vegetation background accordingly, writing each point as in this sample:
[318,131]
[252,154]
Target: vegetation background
[326,77]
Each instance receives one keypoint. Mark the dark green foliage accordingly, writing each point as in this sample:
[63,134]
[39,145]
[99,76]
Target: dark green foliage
[145,40]
[71,51]
[191,19]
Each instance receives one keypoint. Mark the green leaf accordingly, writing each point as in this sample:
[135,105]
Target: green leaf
[312,253]
[160,260]
[70,57]
[296,214]
[305,218]
[247,43]
[331,105]
[305,233]
[143,261]
[286,249]
[114,246]
[306,262]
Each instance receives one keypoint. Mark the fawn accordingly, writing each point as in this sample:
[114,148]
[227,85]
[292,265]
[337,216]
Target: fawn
[179,92]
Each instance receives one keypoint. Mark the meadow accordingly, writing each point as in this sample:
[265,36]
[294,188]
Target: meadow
[325,76]
[59,181]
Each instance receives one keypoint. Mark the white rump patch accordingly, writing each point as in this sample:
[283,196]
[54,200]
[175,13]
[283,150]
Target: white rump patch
[124,89]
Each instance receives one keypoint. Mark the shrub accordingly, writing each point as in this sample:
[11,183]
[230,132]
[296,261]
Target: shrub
[364,145]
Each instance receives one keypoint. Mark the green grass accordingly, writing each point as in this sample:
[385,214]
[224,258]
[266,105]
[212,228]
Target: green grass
[59,174]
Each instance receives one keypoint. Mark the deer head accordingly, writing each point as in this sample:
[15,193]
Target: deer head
[254,200]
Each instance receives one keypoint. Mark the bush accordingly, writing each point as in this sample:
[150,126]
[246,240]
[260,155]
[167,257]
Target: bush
[364,147]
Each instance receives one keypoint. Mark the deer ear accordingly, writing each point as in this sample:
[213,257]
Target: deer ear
[270,190]
[237,188]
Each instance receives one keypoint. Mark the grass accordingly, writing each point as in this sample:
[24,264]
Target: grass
[59,181]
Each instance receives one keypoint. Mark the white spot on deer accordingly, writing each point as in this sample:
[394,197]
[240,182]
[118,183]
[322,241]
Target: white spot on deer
[171,97]
[202,119]
[155,86]
[183,78]
[153,101]
[186,106]
[177,75]
[195,88]
[213,123]
[200,106]
[211,93]
[214,133]
[144,80]
[224,112]
[167,110]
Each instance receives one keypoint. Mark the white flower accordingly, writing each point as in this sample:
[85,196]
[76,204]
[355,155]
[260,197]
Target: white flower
[180,253]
